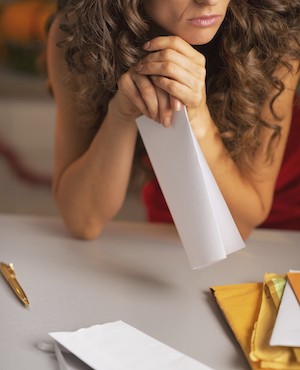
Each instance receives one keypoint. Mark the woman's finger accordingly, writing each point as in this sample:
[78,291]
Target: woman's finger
[174,43]
[173,56]
[176,104]
[164,107]
[182,92]
[129,97]
[139,93]
[170,70]
[148,93]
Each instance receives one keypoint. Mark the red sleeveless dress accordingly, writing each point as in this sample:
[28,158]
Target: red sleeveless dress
[285,212]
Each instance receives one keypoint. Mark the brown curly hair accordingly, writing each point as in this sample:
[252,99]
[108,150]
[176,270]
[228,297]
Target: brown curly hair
[258,37]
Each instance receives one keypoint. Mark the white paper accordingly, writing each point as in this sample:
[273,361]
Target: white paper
[286,331]
[119,346]
[200,213]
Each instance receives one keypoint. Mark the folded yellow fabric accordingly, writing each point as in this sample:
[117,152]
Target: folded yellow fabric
[240,304]
[250,310]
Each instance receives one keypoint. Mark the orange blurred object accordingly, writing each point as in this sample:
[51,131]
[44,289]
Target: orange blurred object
[24,21]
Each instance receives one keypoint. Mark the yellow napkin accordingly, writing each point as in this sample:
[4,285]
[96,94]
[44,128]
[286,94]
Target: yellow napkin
[250,311]
[240,305]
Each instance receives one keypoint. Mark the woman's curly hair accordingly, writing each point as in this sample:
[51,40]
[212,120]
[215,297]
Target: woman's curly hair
[104,38]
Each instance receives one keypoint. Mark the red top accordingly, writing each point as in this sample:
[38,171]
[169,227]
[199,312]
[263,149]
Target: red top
[285,212]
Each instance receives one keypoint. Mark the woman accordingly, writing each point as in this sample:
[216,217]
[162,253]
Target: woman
[233,64]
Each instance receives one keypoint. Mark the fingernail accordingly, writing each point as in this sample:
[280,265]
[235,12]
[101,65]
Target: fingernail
[146,45]
[177,106]
[166,121]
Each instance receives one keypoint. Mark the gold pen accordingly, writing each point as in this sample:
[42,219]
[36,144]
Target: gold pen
[9,274]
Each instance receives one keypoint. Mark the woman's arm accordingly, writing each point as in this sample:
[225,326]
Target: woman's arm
[91,170]
[180,71]
[249,194]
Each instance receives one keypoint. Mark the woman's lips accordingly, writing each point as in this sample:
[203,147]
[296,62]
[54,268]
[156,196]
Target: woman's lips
[204,21]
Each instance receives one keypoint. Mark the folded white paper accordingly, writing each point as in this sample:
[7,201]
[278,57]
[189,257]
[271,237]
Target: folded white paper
[200,213]
[286,331]
[119,346]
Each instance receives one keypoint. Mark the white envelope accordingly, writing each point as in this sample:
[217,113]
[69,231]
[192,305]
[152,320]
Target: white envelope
[119,346]
[286,331]
[200,213]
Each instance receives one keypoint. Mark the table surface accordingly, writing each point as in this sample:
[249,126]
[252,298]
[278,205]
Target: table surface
[135,272]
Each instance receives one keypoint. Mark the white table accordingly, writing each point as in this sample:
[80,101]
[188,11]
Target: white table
[137,273]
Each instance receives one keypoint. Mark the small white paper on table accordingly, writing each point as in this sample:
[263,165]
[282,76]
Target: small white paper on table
[119,346]
[286,331]
[203,221]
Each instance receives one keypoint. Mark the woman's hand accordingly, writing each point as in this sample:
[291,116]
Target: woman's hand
[138,95]
[175,67]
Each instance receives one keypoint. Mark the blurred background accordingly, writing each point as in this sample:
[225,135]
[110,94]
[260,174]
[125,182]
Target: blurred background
[27,114]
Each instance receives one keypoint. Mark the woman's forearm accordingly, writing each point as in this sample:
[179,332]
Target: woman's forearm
[91,190]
